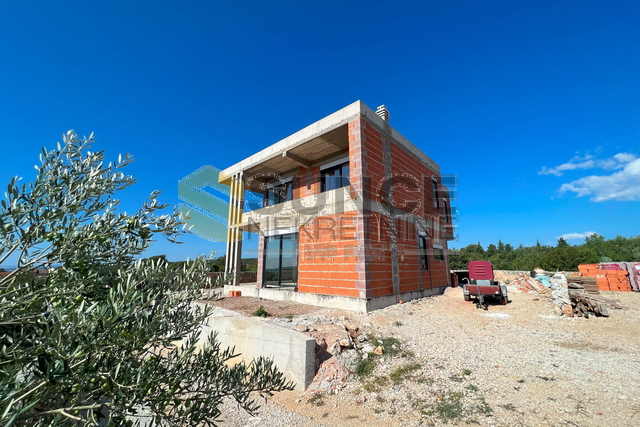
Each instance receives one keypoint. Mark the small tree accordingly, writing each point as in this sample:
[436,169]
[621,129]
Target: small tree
[97,337]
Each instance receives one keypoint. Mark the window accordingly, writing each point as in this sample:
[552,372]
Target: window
[424,259]
[438,253]
[335,177]
[278,192]
[280,265]
[446,212]
[436,202]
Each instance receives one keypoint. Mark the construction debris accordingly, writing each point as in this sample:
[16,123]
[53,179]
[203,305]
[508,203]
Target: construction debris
[577,294]
[528,284]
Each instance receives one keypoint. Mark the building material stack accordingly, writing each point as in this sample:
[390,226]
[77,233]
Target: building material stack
[611,279]
[632,269]
[589,284]
[585,299]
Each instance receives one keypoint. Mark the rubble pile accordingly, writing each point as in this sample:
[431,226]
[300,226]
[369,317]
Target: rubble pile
[338,352]
[525,283]
[528,284]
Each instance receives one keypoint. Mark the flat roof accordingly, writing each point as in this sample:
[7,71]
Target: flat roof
[312,132]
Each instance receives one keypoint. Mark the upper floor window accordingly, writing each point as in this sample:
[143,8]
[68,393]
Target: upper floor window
[436,201]
[278,192]
[335,177]
[446,211]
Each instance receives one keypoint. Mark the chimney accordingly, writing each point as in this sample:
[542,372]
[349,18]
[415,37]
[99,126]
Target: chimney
[383,113]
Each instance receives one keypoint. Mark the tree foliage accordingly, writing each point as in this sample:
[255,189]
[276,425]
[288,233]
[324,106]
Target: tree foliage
[104,336]
[563,256]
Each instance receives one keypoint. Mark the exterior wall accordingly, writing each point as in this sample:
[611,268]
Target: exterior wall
[412,277]
[306,182]
[328,255]
[384,158]
[379,268]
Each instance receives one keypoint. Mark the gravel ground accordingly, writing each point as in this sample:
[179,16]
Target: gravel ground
[514,365]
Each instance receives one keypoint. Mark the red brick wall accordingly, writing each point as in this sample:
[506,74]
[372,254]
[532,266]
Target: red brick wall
[411,273]
[306,182]
[373,167]
[328,255]
[418,189]
[378,241]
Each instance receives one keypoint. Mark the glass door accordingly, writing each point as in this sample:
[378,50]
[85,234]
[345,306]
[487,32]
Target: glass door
[271,274]
[281,260]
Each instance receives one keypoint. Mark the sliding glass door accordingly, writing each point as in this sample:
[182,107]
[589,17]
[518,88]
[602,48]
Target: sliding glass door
[281,260]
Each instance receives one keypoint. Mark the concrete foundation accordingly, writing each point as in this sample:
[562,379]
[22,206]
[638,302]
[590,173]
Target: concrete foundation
[386,301]
[332,301]
[292,352]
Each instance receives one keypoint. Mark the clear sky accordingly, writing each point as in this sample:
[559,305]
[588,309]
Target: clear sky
[534,105]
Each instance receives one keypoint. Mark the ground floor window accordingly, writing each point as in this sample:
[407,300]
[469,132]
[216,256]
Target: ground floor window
[424,259]
[438,253]
[281,260]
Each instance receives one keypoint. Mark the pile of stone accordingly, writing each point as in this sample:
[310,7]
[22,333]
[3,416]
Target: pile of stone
[338,351]
[560,295]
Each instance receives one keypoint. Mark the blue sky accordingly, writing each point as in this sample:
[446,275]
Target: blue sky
[534,105]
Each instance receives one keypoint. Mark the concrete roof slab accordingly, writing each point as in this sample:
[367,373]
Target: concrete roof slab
[320,140]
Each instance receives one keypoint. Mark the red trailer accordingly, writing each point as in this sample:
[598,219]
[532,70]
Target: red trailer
[481,285]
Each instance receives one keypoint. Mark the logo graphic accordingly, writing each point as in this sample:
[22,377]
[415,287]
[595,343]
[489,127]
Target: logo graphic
[206,208]
[207,212]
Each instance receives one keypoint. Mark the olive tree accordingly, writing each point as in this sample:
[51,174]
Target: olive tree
[106,337]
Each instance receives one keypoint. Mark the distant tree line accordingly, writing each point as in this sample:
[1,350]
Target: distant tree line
[563,256]
[216,264]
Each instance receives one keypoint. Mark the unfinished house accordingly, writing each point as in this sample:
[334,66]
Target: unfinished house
[352,215]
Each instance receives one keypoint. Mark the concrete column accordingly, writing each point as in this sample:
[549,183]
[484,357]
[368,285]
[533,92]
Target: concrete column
[235,229]
[260,275]
[388,171]
[445,249]
[358,189]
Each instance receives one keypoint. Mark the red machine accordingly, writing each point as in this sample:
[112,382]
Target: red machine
[481,284]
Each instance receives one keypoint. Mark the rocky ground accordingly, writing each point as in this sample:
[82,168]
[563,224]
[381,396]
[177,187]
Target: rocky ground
[445,362]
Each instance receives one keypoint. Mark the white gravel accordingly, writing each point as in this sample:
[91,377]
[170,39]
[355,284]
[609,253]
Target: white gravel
[514,365]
